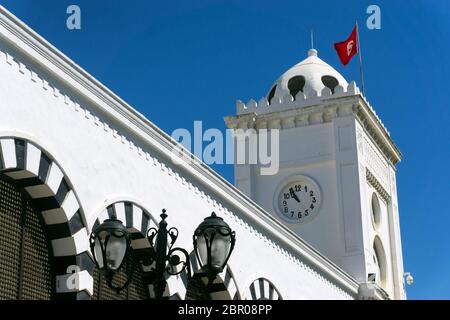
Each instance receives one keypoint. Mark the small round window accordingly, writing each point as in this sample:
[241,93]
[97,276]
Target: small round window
[295,85]
[375,210]
[330,82]
[271,93]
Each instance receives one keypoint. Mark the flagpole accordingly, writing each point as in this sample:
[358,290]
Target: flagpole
[360,59]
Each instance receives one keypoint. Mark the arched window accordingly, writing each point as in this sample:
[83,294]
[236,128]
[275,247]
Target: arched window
[330,82]
[263,289]
[271,94]
[138,288]
[34,189]
[25,271]
[380,262]
[295,85]
[375,210]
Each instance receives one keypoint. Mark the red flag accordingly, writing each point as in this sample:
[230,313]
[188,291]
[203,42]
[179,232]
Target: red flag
[348,48]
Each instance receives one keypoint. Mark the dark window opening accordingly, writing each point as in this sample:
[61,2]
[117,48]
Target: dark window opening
[295,85]
[330,82]
[25,272]
[137,290]
[272,94]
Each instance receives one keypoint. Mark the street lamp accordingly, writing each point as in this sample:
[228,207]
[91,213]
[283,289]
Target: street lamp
[110,244]
[409,278]
[213,243]
[111,248]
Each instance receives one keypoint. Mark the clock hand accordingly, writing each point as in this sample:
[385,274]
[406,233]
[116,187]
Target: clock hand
[293,195]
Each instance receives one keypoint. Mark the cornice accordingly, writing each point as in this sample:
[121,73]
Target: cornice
[42,53]
[372,123]
[324,112]
[286,119]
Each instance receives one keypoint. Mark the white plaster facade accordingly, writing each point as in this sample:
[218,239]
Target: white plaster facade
[109,153]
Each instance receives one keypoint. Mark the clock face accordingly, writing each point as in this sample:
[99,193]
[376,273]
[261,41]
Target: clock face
[298,200]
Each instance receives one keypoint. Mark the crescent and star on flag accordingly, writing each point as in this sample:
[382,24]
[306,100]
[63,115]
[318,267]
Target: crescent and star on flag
[347,49]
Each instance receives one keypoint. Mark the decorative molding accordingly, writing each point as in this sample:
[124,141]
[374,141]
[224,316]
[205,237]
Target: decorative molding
[373,125]
[376,163]
[66,99]
[378,187]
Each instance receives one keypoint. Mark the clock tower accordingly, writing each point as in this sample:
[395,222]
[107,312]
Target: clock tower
[336,185]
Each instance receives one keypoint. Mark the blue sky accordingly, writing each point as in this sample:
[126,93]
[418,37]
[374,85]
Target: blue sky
[180,61]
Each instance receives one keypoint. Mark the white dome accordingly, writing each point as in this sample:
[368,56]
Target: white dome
[311,73]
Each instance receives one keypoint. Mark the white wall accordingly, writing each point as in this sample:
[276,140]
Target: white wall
[388,230]
[336,154]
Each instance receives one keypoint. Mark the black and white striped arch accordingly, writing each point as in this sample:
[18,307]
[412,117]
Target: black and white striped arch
[34,170]
[263,289]
[134,217]
[138,221]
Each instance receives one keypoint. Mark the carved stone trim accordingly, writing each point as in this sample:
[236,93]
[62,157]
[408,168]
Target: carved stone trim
[378,187]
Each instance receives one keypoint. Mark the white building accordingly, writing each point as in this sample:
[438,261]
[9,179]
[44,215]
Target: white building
[72,152]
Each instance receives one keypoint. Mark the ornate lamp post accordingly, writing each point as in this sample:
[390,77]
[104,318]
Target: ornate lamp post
[111,248]
[213,243]
[163,255]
